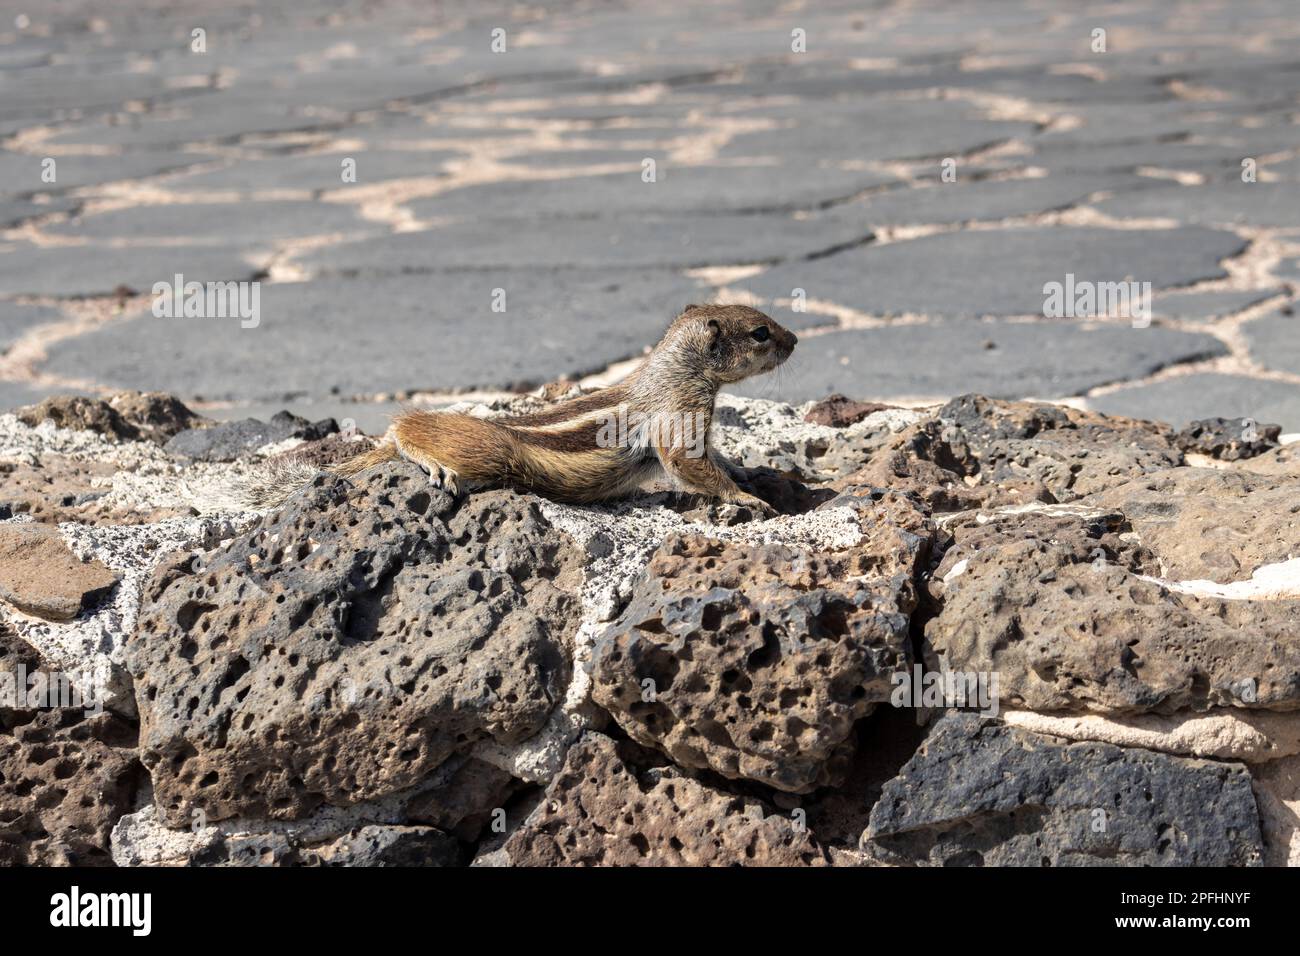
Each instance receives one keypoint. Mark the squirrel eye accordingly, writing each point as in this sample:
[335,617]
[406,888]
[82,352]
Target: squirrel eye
[761,334]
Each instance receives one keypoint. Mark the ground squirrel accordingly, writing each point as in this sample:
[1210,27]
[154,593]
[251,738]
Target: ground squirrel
[604,444]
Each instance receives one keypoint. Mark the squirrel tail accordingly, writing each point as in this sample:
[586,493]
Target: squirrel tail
[280,479]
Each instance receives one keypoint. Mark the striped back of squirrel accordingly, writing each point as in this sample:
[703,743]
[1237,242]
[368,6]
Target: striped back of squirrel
[568,452]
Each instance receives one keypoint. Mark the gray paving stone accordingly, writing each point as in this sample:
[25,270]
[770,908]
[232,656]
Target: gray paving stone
[14,211]
[1288,169]
[21,173]
[678,189]
[1186,398]
[1105,124]
[652,131]
[997,273]
[315,172]
[1275,341]
[56,87]
[1208,305]
[971,199]
[1001,359]
[100,270]
[16,320]
[877,132]
[561,158]
[1258,204]
[1098,157]
[207,119]
[252,224]
[343,337]
[1288,268]
[679,242]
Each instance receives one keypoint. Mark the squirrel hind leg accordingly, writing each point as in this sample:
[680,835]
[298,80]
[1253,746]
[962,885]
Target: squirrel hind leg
[440,476]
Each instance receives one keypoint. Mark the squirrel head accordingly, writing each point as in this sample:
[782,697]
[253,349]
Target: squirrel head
[730,342]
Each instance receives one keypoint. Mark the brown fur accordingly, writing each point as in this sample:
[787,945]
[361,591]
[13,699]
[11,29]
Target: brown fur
[556,452]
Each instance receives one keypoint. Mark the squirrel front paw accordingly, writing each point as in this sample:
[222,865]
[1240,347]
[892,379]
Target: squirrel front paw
[757,505]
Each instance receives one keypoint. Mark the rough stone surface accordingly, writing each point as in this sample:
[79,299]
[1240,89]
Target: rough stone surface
[425,825]
[1228,439]
[328,729]
[129,416]
[39,575]
[759,660]
[607,807]
[980,794]
[839,411]
[67,773]
[358,614]
[975,451]
[54,488]
[1210,524]
[230,440]
[1071,612]
[1277,793]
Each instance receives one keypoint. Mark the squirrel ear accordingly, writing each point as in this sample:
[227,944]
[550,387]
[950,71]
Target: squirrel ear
[715,333]
[691,308]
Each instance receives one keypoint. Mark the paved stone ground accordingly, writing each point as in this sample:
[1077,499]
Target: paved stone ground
[775,171]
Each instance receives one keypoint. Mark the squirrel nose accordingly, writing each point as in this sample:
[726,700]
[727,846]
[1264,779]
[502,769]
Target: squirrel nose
[794,340]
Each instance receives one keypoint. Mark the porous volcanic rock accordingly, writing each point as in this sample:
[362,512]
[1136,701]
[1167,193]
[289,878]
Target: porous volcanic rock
[349,644]
[126,416]
[230,441]
[325,452]
[1211,524]
[40,575]
[372,845]
[66,773]
[1228,439]
[978,793]
[611,805]
[455,800]
[978,451]
[1067,608]
[839,411]
[760,434]
[755,661]
[390,846]
[54,487]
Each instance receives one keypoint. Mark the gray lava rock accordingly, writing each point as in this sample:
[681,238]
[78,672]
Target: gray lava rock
[982,794]
[66,773]
[1067,608]
[1211,524]
[126,416]
[756,661]
[348,645]
[229,441]
[605,808]
[1228,439]
[980,451]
